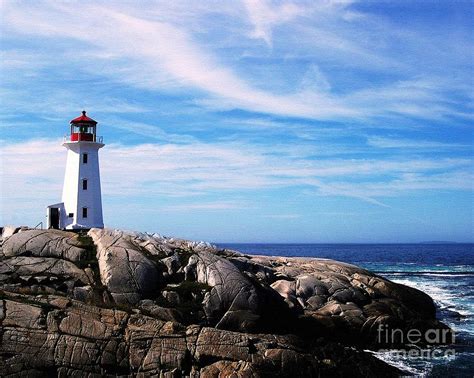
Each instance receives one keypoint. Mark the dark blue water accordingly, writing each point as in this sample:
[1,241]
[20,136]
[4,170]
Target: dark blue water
[444,271]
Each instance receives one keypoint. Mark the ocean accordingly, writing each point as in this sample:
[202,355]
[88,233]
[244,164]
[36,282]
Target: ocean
[443,271]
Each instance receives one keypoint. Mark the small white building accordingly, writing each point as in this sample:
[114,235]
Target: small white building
[81,206]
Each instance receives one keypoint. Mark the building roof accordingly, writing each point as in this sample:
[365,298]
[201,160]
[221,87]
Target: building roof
[83,119]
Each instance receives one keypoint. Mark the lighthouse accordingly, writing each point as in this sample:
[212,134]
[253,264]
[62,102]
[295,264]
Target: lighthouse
[81,206]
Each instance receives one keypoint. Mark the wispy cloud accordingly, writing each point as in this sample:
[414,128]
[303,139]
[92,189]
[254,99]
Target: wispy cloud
[383,142]
[264,17]
[199,169]
[209,206]
[149,50]
[282,216]
[159,54]
[152,132]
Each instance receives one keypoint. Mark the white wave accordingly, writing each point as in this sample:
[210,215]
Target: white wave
[464,312]
[441,274]
[445,299]
[392,358]
[439,294]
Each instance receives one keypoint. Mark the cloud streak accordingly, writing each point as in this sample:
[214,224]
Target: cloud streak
[156,53]
[197,170]
[383,142]
[264,17]
[166,52]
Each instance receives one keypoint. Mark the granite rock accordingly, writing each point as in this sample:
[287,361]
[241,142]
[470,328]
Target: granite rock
[45,243]
[124,268]
[116,303]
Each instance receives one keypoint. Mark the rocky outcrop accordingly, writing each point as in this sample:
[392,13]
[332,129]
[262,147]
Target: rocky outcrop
[124,267]
[42,243]
[340,299]
[235,301]
[131,304]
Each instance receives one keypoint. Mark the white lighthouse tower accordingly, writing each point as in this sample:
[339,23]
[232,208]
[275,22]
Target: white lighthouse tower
[81,206]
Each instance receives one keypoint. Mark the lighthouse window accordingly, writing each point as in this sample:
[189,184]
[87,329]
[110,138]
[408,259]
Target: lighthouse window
[71,215]
[84,184]
[84,212]
[84,158]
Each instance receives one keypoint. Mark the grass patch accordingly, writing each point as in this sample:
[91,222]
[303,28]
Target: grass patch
[90,258]
[87,243]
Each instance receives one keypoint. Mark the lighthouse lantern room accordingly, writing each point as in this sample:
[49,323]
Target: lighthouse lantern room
[81,206]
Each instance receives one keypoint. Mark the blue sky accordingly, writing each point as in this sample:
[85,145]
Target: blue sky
[252,121]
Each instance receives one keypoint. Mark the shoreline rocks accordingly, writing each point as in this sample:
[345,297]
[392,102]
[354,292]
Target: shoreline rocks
[111,303]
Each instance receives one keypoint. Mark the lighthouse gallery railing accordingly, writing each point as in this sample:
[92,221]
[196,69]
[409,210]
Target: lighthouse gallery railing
[78,137]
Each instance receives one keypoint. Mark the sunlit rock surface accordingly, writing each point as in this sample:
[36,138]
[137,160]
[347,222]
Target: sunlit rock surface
[116,303]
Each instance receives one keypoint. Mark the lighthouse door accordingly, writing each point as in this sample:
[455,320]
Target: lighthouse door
[54,217]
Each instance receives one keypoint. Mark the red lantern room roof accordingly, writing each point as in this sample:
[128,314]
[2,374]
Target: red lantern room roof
[84,119]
